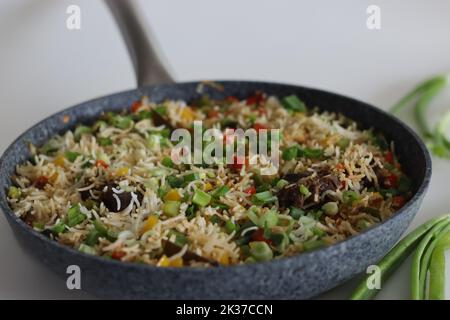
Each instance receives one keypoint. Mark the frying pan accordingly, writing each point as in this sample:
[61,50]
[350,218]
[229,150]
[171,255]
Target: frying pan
[298,277]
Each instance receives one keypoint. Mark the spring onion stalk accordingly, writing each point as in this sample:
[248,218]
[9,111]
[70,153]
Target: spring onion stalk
[420,89]
[437,269]
[423,95]
[423,103]
[419,264]
[396,256]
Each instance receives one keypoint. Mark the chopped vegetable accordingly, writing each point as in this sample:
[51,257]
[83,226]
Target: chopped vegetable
[293,103]
[201,198]
[72,156]
[80,131]
[330,208]
[191,177]
[350,196]
[264,197]
[304,191]
[151,221]
[59,227]
[171,208]
[75,216]
[230,226]
[296,213]
[14,193]
[260,251]
[87,249]
[172,195]
[104,141]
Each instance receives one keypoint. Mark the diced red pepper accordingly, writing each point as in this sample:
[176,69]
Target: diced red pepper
[250,191]
[255,99]
[398,201]
[118,255]
[41,182]
[389,157]
[238,163]
[391,181]
[213,114]
[258,235]
[101,163]
[135,106]
[228,136]
[231,99]
[259,126]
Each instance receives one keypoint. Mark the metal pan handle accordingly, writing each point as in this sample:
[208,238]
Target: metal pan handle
[148,65]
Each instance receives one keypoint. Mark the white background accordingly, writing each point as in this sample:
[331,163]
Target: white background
[44,68]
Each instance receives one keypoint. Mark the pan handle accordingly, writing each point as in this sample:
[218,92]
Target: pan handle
[148,65]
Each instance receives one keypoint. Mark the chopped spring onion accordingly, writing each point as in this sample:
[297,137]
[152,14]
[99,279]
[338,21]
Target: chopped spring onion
[215,219]
[175,182]
[75,216]
[313,244]
[167,162]
[201,198]
[92,238]
[304,191]
[296,213]
[264,198]
[14,192]
[220,192]
[290,153]
[103,231]
[72,156]
[191,211]
[330,208]
[59,227]
[191,177]
[80,131]
[280,240]
[260,251]
[293,103]
[230,226]
[104,141]
[171,208]
[180,238]
[343,143]
[161,110]
[87,249]
[269,220]
[350,196]
[253,215]
[281,184]
[122,122]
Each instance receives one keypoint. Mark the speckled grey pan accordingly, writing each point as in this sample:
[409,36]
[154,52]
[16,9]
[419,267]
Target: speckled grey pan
[302,276]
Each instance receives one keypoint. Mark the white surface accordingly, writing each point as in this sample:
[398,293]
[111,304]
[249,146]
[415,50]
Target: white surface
[325,44]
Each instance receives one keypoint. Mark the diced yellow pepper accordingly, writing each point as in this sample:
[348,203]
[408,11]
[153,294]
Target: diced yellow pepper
[178,262]
[163,262]
[208,186]
[150,223]
[172,195]
[59,161]
[187,114]
[53,177]
[224,259]
[122,171]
